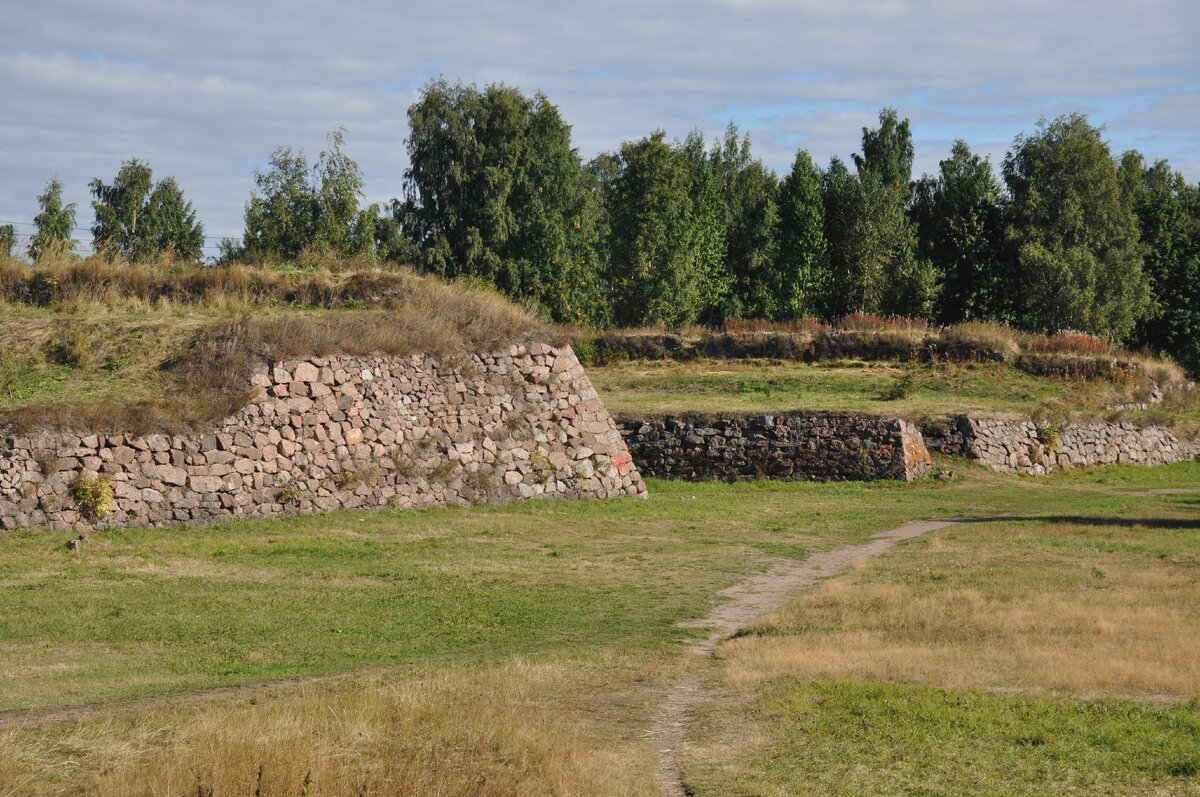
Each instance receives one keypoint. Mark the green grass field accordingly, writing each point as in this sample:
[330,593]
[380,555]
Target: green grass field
[549,628]
[741,386]
[1049,650]
[645,388]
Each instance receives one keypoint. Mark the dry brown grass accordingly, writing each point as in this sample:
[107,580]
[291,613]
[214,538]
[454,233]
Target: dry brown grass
[177,344]
[1103,624]
[522,728]
[1063,354]
[987,336]
[314,281]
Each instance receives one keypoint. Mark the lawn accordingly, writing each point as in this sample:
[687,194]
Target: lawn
[524,648]
[1048,650]
[880,388]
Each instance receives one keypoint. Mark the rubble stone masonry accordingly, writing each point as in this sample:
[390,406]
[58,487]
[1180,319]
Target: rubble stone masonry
[339,433]
[789,447]
[1013,446]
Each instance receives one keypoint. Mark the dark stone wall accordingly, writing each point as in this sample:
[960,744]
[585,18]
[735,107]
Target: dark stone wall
[788,447]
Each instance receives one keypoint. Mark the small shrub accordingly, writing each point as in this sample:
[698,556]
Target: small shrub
[348,476]
[1049,434]
[902,386]
[541,467]
[94,497]
[71,350]
[585,350]
[404,465]
[290,493]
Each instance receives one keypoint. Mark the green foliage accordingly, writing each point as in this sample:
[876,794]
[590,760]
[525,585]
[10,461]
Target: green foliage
[707,240]
[888,153]
[391,245]
[94,497]
[873,264]
[749,193]
[1049,433]
[8,239]
[139,219]
[902,385]
[54,223]
[290,493]
[666,236]
[295,208]
[1168,211]
[585,350]
[1078,260]
[799,277]
[957,215]
[495,191]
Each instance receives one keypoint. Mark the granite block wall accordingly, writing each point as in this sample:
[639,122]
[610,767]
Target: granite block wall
[1012,446]
[338,433]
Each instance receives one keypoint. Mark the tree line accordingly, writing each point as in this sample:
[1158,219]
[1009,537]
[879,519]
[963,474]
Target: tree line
[679,232]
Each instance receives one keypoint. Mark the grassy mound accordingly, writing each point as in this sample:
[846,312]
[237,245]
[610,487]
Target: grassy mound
[870,338]
[97,345]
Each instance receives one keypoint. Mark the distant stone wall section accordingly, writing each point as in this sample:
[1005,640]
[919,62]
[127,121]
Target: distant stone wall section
[1036,449]
[340,433]
[787,447]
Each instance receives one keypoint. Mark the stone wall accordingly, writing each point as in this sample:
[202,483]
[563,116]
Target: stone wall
[338,433]
[1026,447]
[791,447]
[849,448]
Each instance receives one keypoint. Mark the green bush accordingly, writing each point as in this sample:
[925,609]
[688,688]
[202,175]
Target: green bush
[93,496]
[1049,434]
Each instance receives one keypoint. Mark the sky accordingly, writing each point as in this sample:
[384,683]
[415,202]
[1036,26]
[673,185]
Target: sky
[204,92]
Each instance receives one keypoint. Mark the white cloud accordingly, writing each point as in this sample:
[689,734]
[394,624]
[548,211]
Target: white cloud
[205,91]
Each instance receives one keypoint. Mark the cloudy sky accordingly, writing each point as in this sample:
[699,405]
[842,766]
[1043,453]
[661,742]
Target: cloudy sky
[205,91]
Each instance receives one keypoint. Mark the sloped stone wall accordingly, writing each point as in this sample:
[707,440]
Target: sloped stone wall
[1026,447]
[789,447]
[343,432]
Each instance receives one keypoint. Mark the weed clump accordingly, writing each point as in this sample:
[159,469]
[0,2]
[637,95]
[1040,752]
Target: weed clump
[94,497]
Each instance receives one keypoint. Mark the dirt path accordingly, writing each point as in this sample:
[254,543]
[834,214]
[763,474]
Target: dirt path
[747,602]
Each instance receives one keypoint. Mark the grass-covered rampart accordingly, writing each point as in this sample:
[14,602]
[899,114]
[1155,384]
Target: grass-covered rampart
[100,345]
[97,345]
[872,338]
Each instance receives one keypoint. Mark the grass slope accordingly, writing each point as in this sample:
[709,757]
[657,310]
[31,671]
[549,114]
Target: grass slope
[102,346]
[667,387]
